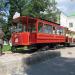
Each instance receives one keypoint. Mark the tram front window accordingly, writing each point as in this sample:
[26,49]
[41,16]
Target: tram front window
[18,27]
[31,27]
[27,25]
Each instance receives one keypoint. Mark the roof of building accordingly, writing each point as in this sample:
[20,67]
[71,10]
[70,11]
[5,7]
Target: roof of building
[72,14]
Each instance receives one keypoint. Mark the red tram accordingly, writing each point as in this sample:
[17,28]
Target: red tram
[31,33]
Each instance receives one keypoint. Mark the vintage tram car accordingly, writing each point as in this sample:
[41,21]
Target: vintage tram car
[32,33]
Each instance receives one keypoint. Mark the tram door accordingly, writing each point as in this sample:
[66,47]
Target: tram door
[32,30]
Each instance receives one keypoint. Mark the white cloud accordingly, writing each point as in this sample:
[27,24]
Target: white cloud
[67,6]
[60,0]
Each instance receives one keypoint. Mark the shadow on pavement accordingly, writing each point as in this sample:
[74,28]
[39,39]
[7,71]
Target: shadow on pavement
[41,56]
[25,51]
[55,66]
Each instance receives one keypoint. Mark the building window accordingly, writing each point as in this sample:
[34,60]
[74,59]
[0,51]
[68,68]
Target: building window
[70,24]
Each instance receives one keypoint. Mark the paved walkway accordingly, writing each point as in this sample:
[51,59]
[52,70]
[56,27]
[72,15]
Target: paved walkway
[62,65]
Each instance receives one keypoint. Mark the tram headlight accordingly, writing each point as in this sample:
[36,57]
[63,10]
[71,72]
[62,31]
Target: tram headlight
[16,40]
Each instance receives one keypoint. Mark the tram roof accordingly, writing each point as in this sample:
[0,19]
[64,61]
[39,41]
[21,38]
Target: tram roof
[31,19]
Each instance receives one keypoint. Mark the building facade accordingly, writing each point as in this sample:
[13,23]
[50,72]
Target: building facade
[67,21]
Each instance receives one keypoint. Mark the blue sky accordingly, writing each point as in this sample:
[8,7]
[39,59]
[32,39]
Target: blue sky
[67,6]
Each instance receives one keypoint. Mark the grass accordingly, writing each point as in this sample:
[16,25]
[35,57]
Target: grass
[6,48]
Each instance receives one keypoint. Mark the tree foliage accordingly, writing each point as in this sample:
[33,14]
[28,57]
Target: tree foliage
[2,13]
[37,6]
[31,7]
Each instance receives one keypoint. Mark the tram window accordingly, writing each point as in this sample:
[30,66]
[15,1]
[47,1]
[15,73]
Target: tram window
[18,27]
[31,27]
[40,27]
[24,27]
[60,31]
[47,28]
[54,30]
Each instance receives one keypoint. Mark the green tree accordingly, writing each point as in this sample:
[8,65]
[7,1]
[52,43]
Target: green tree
[3,22]
[28,7]
[14,6]
[34,8]
[51,11]
[2,5]
[37,6]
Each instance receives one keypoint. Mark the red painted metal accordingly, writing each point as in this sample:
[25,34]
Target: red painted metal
[20,38]
[26,38]
[50,38]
